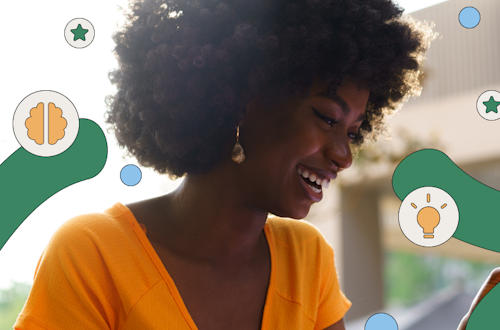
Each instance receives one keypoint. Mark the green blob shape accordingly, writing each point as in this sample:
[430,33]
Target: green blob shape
[79,33]
[28,180]
[485,315]
[479,214]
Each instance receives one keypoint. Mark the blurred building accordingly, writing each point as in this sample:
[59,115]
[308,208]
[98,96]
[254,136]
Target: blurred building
[360,216]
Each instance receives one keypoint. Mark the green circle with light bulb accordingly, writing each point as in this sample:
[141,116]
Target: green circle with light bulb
[428,216]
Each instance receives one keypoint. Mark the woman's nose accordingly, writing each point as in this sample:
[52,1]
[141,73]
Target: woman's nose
[339,152]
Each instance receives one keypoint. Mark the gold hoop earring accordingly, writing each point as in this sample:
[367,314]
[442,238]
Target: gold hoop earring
[238,154]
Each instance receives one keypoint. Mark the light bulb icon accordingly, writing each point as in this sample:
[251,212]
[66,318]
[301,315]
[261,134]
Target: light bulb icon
[428,216]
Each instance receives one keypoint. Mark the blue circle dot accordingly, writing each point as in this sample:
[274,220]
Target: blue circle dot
[469,17]
[381,321]
[130,175]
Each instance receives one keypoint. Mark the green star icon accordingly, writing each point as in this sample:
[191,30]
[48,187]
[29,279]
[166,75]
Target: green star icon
[491,105]
[79,33]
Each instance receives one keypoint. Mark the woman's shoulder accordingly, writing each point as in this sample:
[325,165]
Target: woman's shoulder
[108,233]
[87,266]
[93,224]
[98,244]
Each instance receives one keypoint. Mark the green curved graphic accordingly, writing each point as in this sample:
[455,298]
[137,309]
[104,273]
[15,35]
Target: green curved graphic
[26,180]
[478,204]
[485,315]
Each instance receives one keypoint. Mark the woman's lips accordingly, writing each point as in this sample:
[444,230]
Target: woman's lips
[315,176]
[316,197]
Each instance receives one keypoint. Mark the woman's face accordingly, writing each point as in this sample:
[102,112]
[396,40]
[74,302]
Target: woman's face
[311,134]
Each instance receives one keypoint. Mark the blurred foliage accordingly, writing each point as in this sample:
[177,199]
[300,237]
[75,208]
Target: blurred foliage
[11,303]
[410,278]
[407,278]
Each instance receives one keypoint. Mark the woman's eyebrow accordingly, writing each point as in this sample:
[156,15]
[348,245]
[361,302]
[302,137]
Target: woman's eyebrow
[340,101]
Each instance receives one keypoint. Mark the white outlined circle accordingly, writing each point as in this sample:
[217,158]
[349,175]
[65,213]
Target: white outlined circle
[73,25]
[439,205]
[23,112]
[482,108]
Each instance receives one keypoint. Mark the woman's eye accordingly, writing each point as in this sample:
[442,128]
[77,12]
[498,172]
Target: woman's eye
[353,136]
[328,120]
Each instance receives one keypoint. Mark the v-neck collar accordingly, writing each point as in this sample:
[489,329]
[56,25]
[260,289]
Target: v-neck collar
[170,282]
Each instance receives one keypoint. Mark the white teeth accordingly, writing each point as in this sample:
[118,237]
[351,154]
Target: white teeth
[325,183]
[316,190]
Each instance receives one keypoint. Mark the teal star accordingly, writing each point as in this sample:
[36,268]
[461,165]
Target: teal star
[491,105]
[79,33]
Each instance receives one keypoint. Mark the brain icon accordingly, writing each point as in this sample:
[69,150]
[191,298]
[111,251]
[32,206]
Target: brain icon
[56,124]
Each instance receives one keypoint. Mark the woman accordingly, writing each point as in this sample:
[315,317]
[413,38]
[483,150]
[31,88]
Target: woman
[258,104]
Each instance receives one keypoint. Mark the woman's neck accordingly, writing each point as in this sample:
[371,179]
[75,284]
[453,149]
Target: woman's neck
[213,220]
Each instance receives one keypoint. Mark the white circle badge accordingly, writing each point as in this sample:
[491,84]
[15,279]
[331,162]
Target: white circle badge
[488,105]
[428,216]
[46,123]
[79,33]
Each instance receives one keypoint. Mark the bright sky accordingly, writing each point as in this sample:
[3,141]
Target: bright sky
[413,5]
[36,57]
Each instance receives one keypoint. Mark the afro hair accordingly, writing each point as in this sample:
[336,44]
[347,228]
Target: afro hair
[188,68]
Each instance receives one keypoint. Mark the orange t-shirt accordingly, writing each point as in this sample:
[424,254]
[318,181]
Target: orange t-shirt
[99,271]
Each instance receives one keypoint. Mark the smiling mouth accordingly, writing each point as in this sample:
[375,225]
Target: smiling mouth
[317,187]
[309,190]
[314,180]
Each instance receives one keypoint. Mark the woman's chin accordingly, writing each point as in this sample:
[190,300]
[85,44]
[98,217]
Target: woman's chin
[297,213]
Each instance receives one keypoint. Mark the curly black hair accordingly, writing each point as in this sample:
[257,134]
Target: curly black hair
[188,68]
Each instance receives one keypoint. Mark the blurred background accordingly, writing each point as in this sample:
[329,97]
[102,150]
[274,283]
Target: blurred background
[379,269]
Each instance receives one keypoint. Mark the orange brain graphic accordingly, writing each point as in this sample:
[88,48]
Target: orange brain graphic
[34,124]
[57,124]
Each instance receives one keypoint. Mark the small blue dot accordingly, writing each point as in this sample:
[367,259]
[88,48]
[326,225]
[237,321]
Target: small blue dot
[130,175]
[381,321]
[469,17]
